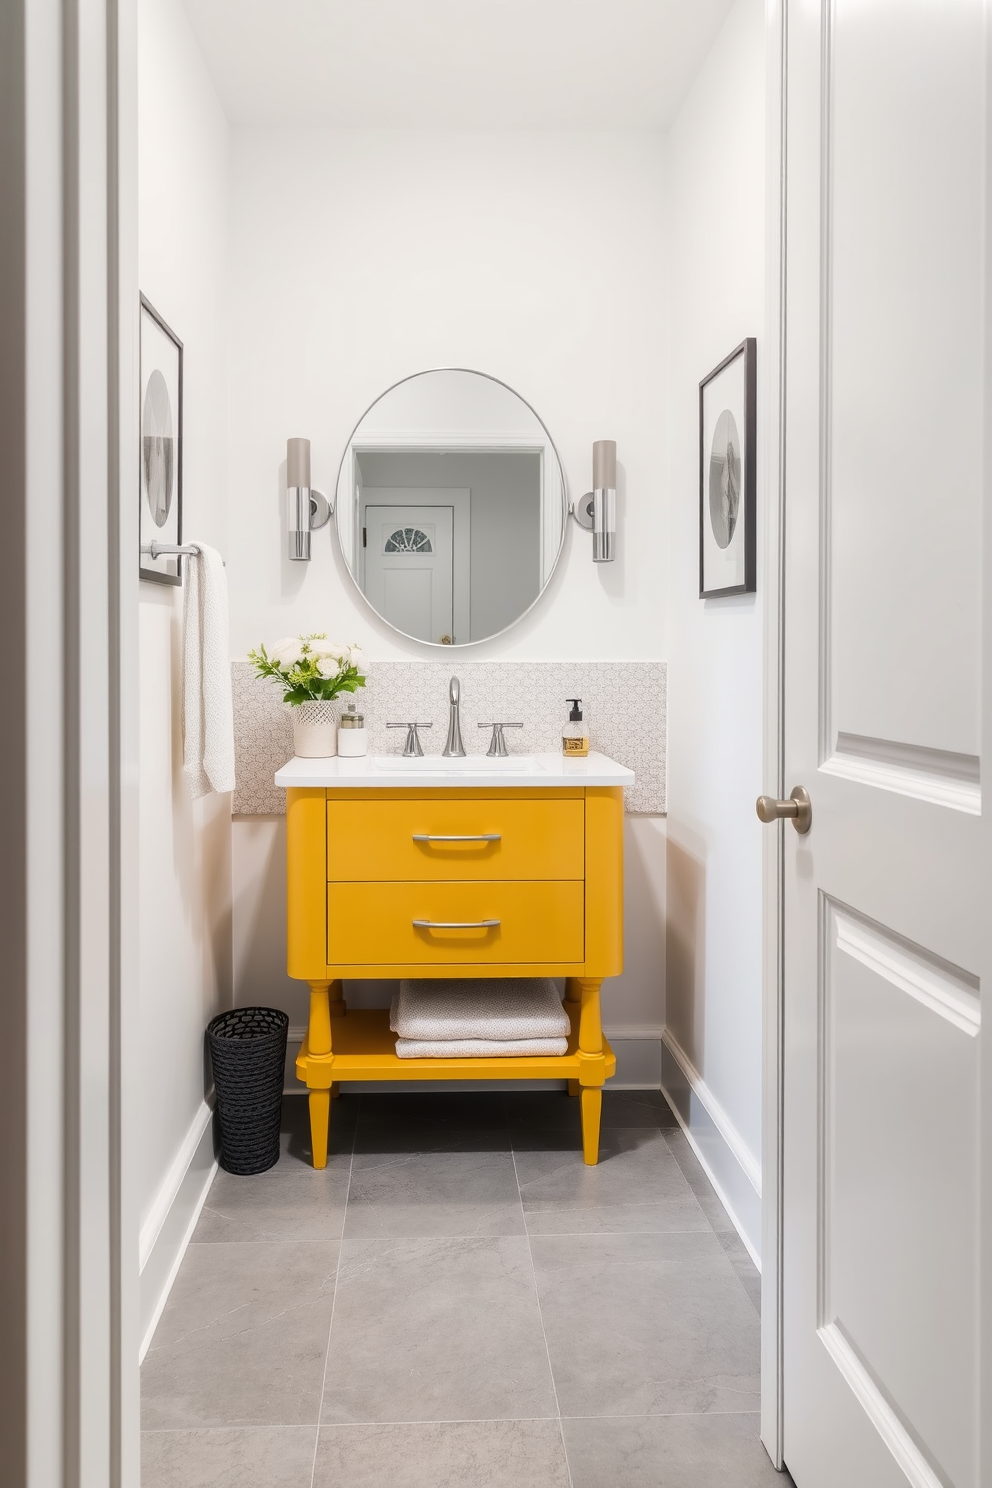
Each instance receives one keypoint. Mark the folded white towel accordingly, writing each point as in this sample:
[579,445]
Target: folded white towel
[484,1008]
[208,713]
[477,1048]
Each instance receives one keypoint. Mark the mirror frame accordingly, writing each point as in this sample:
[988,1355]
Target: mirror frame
[455,645]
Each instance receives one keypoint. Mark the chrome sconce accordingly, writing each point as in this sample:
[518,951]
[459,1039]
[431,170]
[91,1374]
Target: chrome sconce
[307,509]
[596,511]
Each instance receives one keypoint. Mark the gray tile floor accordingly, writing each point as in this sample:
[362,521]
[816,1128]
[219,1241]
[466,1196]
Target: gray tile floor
[457,1300]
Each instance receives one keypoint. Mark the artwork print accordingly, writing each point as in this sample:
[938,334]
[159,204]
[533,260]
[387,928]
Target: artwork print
[160,446]
[727,545]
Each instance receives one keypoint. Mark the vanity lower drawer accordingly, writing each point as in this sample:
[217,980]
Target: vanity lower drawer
[374,923]
[388,841]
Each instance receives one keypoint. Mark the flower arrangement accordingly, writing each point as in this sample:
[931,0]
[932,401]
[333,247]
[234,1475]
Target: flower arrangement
[311,668]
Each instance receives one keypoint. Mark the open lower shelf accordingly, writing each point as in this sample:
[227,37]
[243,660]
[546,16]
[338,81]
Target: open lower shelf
[365,1049]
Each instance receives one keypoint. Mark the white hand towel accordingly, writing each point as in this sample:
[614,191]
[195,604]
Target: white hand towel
[489,1008]
[208,713]
[478,1048]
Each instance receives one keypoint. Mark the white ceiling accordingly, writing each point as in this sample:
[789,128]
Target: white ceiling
[474,64]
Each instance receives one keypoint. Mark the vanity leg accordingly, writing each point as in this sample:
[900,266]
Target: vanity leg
[319,1027]
[336,1005]
[590,1022]
[573,1003]
[593,1065]
[336,1090]
[320,1111]
[319,1043]
[592,1110]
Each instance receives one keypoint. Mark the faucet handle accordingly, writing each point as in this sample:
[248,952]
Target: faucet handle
[497,744]
[412,748]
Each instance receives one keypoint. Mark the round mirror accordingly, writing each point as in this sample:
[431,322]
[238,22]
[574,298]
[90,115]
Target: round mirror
[451,507]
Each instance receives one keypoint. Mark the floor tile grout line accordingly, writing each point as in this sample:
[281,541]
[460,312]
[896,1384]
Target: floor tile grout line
[445,1421]
[334,1299]
[544,1331]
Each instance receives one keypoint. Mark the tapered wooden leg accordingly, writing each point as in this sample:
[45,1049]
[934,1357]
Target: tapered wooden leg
[319,1027]
[590,1022]
[593,1065]
[573,999]
[323,996]
[592,1110]
[320,1113]
[336,1090]
[336,1005]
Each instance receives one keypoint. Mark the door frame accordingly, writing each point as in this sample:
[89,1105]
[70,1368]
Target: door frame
[68,428]
[773,517]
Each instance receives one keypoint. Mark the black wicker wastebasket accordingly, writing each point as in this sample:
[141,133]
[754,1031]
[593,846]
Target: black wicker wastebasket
[248,1054]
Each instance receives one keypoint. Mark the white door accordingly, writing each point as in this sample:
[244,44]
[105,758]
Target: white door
[407,568]
[887,1262]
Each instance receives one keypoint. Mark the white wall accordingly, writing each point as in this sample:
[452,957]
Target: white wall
[359,257]
[716,166]
[184,868]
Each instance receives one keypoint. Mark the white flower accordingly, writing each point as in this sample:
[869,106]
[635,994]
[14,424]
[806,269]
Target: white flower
[288,652]
[327,666]
[326,650]
[357,658]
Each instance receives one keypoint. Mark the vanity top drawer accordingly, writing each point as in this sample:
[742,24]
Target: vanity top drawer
[456,924]
[417,840]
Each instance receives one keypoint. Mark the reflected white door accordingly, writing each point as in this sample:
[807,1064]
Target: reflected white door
[888,919]
[407,569]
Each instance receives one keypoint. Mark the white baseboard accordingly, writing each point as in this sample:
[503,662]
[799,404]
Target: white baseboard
[166,1232]
[638,1052]
[724,1155]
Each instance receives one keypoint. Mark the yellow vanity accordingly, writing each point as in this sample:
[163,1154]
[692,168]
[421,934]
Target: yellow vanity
[460,872]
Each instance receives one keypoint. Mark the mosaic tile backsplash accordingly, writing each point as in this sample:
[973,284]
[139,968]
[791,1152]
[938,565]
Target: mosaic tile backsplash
[624,704]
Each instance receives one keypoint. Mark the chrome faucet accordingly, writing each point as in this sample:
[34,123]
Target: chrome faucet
[454,747]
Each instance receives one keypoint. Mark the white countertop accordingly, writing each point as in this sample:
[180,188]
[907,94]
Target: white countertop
[390,771]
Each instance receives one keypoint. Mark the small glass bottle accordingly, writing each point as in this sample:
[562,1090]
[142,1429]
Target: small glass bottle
[351,733]
[575,735]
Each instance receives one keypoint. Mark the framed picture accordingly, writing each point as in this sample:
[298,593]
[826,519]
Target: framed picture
[160,474]
[727,423]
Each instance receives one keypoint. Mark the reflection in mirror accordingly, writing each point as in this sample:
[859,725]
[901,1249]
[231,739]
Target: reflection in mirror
[450,507]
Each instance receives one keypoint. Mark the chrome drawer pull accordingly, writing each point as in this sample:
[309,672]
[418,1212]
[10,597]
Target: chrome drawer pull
[455,924]
[458,837]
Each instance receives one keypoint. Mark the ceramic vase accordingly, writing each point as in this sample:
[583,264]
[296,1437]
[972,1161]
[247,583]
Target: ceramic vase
[315,730]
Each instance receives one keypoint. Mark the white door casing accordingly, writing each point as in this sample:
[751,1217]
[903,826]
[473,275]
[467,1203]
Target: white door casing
[886,923]
[407,567]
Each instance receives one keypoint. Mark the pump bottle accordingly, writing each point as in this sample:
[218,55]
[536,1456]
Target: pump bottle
[575,735]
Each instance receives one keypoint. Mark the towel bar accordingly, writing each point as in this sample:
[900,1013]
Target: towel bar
[167,550]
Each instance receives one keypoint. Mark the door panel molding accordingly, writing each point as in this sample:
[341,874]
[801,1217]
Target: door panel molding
[944,989]
[879,1192]
[936,775]
[880,1410]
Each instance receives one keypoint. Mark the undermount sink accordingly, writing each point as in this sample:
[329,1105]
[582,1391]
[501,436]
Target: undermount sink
[468,764]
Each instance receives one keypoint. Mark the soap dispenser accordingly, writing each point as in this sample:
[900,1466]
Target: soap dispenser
[575,735]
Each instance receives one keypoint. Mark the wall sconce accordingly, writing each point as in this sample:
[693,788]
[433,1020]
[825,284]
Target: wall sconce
[307,509]
[596,511]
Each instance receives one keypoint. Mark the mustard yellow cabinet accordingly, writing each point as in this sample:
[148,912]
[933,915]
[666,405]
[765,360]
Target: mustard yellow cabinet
[450,881]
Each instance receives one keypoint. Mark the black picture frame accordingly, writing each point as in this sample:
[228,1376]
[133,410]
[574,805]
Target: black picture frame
[727,538]
[160,440]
